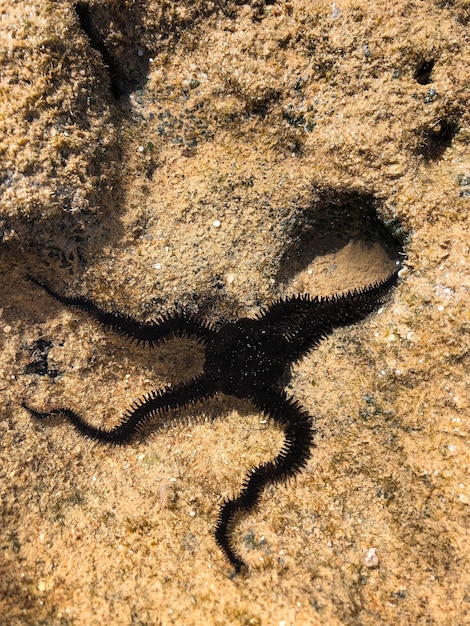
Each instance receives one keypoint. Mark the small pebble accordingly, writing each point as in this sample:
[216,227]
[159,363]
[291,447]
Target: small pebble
[371,559]
[216,223]
[7,329]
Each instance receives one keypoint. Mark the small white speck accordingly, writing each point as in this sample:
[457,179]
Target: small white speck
[140,149]
[7,329]
[371,559]
[410,335]
[440,308]
[335,11]
[216,223]
[192,513]
[391,337]
[158,266]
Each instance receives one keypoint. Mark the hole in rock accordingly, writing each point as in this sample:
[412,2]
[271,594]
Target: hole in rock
[339,241]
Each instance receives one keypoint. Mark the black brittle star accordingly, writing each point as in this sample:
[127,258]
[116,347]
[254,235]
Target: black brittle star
[245,358]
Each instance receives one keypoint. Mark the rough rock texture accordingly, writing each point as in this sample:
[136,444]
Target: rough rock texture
[216,154]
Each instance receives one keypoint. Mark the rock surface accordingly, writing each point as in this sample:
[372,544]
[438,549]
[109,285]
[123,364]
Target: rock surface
[216,155]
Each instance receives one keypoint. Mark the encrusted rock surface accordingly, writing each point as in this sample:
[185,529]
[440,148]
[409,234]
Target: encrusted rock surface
[215,155]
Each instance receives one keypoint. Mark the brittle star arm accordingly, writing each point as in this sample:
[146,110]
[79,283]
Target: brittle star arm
[294,454]
[176,324]
[155,403]
[304,321]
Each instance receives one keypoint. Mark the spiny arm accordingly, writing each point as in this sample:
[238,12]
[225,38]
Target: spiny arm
[155,403]
[177,324]
[303,321]
[361,302]
[294,454]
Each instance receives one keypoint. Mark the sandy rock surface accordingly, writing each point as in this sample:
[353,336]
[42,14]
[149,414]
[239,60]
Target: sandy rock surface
[216,155]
